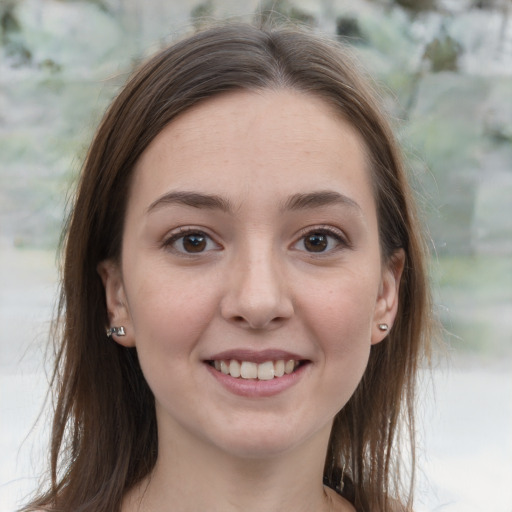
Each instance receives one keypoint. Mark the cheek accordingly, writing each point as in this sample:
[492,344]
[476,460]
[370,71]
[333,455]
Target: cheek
[344,312]
[345,350]
[346,338]
[342,321]
[171,313]
[168,319]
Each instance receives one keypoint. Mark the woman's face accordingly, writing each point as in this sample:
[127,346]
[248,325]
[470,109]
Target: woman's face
[250,250]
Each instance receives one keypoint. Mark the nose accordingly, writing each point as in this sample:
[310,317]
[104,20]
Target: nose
[257,296]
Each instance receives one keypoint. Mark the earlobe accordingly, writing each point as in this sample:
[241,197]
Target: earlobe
[387,301]
[117,306]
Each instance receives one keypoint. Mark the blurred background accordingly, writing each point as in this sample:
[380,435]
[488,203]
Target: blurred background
[444,70]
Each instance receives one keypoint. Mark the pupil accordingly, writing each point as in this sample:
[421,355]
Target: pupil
[194,243]
[316,242]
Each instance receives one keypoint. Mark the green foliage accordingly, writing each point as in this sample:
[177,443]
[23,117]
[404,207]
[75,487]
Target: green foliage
[10,35]
[8,20]
[416,6]
[444,127]
[102,4]
[201,13]
[485,4]
[348,28]
[443,54]
[276,10]
[478,291]
[456,128]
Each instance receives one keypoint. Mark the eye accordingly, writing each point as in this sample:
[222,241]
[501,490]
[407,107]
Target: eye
[321,241]
[191,242]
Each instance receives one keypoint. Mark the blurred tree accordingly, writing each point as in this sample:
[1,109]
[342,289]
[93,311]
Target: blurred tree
[276,9]
[102,4]
[484,4]
[416,6]
[8,20]
[10,34]
[347,27]
[201,13]
[443,53]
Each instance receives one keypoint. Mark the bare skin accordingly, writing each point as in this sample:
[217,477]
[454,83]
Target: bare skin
[236,252]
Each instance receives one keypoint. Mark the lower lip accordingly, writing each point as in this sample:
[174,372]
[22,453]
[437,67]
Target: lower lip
[254,388]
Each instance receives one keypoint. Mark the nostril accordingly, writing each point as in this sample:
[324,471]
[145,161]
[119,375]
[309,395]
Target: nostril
[241,321]
[258,323]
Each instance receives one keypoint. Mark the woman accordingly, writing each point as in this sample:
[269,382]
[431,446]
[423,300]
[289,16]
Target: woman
[244,302]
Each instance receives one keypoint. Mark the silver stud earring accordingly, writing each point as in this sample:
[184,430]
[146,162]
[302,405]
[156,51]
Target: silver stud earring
[118,331]
[383,327]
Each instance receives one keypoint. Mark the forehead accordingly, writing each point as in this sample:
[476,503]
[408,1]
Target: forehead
[245,141]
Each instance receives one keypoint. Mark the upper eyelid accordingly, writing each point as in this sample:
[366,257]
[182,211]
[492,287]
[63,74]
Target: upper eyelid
[337,233]
[187,230]
[174,235]
[323,228]
[182,231]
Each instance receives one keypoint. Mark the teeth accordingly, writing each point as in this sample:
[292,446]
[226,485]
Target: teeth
[224,368]
[279,368]
[234,368]
[266,371]
[249,370]
[289,366]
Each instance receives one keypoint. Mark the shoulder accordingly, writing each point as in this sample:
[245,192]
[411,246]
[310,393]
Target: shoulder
[396,506]
[338,503]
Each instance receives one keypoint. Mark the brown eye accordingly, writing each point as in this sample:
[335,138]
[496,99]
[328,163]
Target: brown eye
[316,242]
[194,243]
[323,240]
[191,242]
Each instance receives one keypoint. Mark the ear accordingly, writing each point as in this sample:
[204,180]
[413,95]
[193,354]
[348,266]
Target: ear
[387,300]
[117,305]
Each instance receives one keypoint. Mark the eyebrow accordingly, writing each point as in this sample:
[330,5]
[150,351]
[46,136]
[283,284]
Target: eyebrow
[194,199]
[299,201]
[319,199]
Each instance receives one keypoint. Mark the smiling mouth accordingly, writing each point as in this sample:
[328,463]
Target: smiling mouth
[267,370]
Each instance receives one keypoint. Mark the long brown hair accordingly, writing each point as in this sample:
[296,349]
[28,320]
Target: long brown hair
[104,437]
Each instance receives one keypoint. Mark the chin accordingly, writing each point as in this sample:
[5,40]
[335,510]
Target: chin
[259,448]
[267,441]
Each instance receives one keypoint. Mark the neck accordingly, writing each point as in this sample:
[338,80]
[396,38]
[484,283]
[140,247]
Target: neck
[197,476]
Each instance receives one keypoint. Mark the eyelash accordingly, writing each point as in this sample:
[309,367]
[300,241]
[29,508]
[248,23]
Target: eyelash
[169,242]
[342,241]
[328,231]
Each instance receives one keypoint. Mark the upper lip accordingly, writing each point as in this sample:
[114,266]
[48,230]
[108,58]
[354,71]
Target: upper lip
[255,356]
